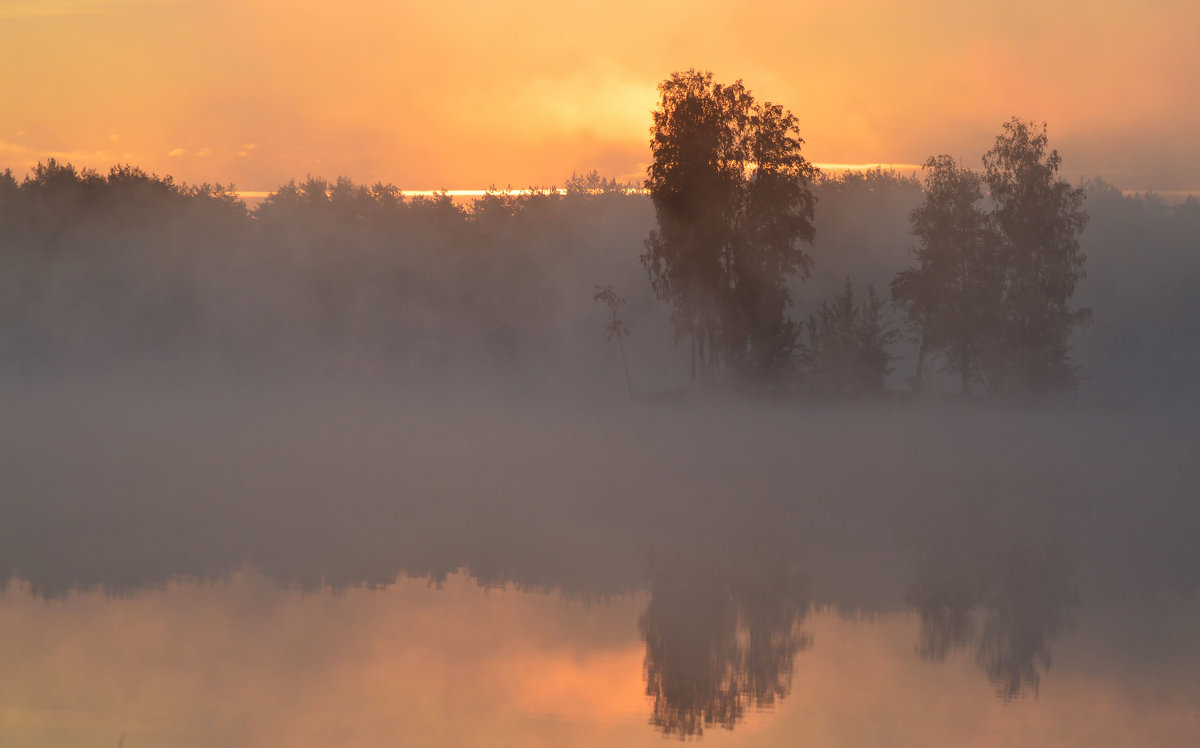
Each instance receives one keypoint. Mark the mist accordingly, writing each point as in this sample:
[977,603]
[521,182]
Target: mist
[335,279]
[343,385]
[170,354]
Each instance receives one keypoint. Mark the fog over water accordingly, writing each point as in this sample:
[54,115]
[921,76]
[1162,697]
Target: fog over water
[214,410]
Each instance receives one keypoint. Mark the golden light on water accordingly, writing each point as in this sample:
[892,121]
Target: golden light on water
[247,662]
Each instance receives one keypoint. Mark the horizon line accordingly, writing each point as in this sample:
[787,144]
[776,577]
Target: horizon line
[477,192]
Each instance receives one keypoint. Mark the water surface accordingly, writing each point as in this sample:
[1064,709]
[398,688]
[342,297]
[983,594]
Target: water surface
[313,567]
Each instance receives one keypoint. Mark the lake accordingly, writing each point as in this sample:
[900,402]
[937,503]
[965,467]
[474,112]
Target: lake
[309,565]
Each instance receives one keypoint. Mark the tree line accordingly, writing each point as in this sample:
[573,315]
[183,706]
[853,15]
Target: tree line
[96,267]
[776,275]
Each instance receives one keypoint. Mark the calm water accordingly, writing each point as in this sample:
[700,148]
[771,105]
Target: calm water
[314,568]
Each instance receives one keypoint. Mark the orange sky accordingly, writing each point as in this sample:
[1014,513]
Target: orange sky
[429,95]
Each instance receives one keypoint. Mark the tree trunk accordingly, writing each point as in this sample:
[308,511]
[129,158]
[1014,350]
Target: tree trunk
[919,376]
[693,346]
[628,381]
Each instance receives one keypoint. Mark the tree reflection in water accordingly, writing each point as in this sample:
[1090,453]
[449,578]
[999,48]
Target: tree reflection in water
[1017,581]
[720,638]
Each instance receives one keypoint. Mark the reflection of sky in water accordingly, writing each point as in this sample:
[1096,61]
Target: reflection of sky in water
[246,662]
[224,572]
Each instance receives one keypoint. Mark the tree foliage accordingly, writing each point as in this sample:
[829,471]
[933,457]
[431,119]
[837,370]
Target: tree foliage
[1039,217]
[845,349]
[990,289]
[731,194]
[951,297]
[109,266]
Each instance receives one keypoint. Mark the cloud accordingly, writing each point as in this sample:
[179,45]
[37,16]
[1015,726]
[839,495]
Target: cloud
[19,155]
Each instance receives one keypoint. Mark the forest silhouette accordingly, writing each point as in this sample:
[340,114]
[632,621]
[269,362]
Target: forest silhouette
[103,269]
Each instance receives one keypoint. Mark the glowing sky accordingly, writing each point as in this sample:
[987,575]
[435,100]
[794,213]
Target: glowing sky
[428,95]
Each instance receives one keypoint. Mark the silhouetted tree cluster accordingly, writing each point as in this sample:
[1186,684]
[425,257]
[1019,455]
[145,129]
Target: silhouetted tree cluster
[845,348]
[991,288]
[730,190]
[951,299]
[733,196]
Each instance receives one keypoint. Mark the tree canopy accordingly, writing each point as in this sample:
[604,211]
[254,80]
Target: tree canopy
[731,194]
[951,296]
[1040,218]
[990,289]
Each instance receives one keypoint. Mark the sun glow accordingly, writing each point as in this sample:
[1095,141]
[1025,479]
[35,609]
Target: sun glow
[826,167]
[408,93]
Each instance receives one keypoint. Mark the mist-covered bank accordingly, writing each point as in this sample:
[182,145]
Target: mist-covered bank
[345,385]
[129,271]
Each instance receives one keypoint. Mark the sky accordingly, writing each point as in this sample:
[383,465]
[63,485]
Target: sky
[471,94]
